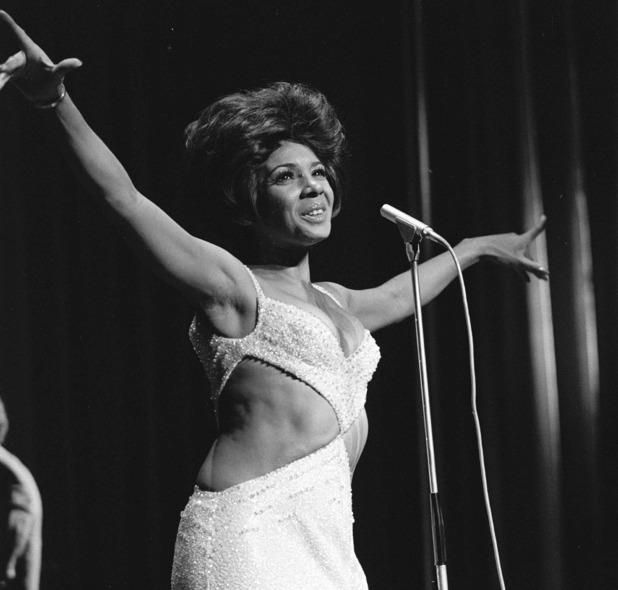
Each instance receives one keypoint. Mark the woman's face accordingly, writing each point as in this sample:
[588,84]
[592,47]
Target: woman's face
[296,201]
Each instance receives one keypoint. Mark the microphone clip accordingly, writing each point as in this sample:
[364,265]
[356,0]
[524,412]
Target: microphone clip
[412,238]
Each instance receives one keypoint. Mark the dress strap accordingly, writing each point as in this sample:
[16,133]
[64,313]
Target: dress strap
[327,293]
[256,284]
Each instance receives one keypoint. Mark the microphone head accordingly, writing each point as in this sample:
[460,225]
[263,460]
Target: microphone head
[396,216]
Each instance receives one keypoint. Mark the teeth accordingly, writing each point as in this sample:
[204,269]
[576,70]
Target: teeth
[315,212]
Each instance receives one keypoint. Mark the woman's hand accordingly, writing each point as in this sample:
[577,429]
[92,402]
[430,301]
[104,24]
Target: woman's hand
[31,70]
[512,250]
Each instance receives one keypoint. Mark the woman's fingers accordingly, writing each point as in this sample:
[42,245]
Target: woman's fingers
[536,229]
[21,35]
[66,66]
[533,267]
[11,66]
[30,48]
[511,253]
[36,76]
[13,63]
[18,60]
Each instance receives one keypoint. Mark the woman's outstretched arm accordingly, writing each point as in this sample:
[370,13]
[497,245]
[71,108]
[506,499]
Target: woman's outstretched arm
[203,271]
[392,301]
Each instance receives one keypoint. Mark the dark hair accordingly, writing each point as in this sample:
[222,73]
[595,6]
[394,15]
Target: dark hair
[236,134]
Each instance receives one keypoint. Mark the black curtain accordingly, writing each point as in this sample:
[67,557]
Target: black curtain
[107,402]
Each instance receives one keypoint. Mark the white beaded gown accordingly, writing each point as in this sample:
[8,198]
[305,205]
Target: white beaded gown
[291,528]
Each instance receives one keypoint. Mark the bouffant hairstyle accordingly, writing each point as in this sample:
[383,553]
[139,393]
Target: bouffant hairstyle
[234,136]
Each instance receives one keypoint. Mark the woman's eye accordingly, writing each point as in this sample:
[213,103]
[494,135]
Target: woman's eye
[283,176]
[320,172]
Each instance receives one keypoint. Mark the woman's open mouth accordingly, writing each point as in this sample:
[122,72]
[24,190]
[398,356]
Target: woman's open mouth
[314,214]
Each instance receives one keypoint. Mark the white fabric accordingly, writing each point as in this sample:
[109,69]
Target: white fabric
[290,529]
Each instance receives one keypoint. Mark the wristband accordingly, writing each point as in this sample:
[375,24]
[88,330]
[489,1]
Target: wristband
[54,103]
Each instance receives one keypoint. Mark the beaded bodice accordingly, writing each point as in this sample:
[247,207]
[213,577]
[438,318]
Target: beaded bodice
[299,343]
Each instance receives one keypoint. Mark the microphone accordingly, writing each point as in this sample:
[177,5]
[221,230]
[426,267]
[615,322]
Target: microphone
[400,218]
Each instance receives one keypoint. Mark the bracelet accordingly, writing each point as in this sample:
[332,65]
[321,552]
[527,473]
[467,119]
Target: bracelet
[54,103]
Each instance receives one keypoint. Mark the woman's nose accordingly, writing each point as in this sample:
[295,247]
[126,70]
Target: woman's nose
[311,187]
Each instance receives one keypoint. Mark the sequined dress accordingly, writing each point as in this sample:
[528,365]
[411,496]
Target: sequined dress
[290,529]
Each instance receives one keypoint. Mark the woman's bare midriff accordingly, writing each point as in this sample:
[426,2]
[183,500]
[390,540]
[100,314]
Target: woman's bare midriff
[267,419]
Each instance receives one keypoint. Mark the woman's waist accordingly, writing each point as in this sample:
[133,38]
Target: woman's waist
[238,457]
[259,448]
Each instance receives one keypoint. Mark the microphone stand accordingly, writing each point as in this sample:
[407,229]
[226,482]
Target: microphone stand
[412,239]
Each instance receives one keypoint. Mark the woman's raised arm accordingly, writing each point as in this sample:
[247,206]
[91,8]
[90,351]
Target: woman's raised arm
[203,271]
[392,301]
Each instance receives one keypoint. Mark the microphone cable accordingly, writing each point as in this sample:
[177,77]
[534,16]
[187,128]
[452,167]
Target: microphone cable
[475,414]
[403,220]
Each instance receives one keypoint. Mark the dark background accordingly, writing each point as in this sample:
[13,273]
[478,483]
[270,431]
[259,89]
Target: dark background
[108,402]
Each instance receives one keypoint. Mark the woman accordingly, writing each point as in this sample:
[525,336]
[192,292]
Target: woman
[288,360]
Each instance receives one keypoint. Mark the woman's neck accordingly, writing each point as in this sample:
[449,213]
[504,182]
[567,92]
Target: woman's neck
[291,263]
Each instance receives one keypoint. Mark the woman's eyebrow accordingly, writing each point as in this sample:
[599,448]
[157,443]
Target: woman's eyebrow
[293,165]
[286,165]
[296,165]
